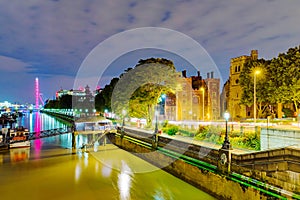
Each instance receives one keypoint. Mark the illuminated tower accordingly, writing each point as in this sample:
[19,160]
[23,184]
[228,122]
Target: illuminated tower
[37,93]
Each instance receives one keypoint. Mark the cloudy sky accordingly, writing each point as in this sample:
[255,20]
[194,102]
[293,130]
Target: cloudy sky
[51,39]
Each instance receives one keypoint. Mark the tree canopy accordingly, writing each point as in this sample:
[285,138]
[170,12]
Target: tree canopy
[278,82]
[139,89]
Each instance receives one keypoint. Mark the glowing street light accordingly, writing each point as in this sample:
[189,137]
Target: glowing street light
[202,89]
[226,144]
[256,72]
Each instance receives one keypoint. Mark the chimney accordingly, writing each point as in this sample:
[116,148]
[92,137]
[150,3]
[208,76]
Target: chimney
[208,75]
[198,73]
[211,74]
[184,73]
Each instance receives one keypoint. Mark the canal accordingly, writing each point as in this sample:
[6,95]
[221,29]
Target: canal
[50,170]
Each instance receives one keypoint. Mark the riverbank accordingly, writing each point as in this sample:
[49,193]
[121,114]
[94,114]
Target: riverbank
[182,160]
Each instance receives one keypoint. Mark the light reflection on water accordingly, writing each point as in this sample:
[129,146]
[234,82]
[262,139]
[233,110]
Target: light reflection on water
[49,169]
[36,122]
[124,181]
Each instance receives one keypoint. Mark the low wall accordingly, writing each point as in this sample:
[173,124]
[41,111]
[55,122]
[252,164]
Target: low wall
[219,185]
[276,138]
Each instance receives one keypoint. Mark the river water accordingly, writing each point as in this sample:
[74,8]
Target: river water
[50,169]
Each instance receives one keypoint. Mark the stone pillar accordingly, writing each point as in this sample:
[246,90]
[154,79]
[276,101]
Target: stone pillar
[224,160]
[154,140]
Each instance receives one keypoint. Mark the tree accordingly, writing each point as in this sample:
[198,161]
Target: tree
[285,73]
[52,104]
[103,99]
[281,82]
[263,88]
[139,89]
[65,101]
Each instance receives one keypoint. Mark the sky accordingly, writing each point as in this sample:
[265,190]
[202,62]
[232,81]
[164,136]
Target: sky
[54,40]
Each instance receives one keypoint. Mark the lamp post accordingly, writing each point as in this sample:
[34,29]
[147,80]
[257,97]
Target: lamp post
[164,98]
[256,72]
[202,89]
[123,124]
[226,144]
[154,139]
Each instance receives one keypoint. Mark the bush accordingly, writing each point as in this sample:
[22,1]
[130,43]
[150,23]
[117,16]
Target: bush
[248,140]
[187,133]
[165,123]
[170,129]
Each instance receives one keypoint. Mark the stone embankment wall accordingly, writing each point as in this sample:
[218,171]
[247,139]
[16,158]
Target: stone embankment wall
[211,182]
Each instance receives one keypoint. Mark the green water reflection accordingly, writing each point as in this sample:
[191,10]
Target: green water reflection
[108,173]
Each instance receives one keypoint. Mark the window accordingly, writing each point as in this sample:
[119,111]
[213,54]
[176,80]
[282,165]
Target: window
[237,81]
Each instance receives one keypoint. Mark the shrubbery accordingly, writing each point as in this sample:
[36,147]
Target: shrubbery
[170,129]
[247,139]
[216,134]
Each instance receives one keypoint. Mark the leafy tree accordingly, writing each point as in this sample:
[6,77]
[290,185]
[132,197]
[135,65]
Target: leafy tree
[65,101]
[263,87]
[103,99]
[139,89]
[280,82]
[52,104]
[285,73]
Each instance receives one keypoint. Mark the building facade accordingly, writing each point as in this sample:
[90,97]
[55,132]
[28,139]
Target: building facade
[213,101]
[237,110]
[198,99]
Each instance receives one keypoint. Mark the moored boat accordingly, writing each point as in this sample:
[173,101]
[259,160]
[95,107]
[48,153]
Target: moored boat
[19,138]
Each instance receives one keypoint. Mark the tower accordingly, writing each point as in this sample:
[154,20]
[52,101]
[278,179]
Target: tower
[37,93]
[235,109]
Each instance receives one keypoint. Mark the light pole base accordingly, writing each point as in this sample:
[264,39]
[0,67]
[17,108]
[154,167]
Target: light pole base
[226,145]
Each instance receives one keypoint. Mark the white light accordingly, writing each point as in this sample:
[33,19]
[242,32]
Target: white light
[226,115]
[124,181]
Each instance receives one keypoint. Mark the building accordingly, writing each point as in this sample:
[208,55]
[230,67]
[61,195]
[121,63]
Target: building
[224,98]
[213,88]
[237,110]
[198,99]
[82,99]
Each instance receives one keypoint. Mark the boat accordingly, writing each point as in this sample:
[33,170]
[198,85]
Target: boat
[19,137]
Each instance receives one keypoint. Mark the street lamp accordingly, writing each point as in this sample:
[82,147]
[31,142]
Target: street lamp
[123,123]
[164,98]
[154,139]
[156,121]
[124,113]
[202,89]
[226,144]
[256,72]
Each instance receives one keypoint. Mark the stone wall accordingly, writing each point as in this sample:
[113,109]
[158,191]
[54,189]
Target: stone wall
[213,183]
[274,138]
